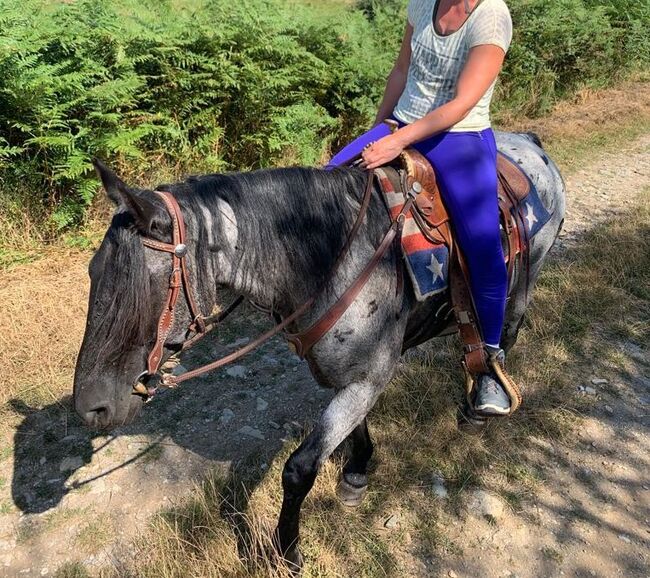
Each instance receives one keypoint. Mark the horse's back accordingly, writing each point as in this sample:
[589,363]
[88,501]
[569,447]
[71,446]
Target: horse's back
[526,150]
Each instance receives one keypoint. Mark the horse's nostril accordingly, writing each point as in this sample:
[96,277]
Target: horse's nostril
[99,417]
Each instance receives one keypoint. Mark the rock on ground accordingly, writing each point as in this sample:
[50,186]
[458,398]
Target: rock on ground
[486,504]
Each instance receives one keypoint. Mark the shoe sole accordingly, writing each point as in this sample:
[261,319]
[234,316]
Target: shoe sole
[489,409]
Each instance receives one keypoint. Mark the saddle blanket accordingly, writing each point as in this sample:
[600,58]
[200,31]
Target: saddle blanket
[427,262]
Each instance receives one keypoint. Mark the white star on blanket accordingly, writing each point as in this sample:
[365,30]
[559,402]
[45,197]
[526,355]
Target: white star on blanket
[435,268]
[530,216]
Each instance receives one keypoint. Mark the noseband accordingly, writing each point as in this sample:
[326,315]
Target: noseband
[200,325]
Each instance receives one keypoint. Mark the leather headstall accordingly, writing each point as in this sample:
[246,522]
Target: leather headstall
[178,280]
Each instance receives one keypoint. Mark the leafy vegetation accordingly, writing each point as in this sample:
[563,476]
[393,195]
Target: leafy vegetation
[206,85]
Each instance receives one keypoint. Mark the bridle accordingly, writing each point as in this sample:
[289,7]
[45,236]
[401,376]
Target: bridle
[200,325]
[178,279]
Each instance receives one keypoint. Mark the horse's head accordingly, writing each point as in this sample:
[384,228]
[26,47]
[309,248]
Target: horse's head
[128,290]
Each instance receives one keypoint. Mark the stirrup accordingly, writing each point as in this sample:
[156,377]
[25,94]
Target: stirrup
[503,377]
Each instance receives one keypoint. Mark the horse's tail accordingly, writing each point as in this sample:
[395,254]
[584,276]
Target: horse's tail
[533,137]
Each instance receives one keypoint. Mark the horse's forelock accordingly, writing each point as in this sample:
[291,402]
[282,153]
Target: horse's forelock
[124,315]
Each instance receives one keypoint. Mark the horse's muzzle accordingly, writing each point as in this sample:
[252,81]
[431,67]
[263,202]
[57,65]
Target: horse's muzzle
[103,415]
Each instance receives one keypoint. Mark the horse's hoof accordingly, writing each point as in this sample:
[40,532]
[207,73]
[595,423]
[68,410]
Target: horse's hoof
[352,489]
[293,560]
[470,422]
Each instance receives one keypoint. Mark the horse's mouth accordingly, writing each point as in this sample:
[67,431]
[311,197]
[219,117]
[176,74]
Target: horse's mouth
[136,404]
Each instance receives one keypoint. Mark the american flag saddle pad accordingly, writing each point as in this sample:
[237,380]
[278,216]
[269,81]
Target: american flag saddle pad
[427,262]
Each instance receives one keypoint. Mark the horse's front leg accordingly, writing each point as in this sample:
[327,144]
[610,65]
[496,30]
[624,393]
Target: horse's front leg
[346,411]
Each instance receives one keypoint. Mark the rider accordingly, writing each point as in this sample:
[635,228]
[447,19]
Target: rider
[439,93]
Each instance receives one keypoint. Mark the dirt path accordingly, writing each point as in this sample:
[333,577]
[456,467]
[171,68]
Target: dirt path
[591,514]
[82,497]
[605,187]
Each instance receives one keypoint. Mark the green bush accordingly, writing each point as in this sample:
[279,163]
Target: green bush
[213,85]
[206,85]
[561,45]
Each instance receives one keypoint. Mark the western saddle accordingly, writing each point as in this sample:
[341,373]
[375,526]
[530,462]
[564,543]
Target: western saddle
[413,172]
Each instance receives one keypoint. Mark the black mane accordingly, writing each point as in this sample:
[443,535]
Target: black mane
[126,319]
[292,223]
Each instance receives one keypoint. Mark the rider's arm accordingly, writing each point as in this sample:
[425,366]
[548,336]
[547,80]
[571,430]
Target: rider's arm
[397,78]
[480,71]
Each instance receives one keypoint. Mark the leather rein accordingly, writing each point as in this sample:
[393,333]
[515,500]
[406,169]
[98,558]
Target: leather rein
[200,325]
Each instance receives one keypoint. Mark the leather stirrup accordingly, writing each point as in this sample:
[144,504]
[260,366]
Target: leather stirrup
[505,380]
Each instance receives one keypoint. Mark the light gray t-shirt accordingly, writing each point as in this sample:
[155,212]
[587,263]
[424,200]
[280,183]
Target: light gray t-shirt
[437,61]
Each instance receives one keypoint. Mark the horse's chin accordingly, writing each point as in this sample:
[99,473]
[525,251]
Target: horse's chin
[136,404]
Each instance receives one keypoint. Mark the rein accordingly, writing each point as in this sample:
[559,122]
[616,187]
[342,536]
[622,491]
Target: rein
[180,280]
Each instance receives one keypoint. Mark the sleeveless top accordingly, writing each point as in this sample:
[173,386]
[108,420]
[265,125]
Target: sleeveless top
[437,60]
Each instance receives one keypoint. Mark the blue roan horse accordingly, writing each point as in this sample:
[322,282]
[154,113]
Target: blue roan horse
[273,236]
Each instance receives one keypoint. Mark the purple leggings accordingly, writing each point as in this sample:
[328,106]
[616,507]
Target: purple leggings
[465,164]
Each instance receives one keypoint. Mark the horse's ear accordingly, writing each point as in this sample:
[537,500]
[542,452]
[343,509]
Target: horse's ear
[114,185]
[143,210]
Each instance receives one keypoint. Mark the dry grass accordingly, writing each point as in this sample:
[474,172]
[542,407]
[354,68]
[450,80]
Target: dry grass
[204,537]
[586,303]
[42,321]
[591,121]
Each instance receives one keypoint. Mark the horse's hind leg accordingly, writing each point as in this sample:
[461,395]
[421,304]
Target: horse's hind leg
[354,480]
[345,413]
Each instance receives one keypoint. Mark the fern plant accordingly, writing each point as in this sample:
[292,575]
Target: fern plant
[205,85]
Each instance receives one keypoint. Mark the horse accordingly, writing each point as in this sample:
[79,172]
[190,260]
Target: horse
[274,236]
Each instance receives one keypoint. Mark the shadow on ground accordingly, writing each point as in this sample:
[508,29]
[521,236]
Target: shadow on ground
[221,420]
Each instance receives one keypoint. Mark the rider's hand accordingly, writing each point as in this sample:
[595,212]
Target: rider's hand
[382,151]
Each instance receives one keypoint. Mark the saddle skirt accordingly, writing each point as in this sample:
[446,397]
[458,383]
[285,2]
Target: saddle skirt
[427,237]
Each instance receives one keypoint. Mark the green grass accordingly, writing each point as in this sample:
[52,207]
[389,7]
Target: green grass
[31,529]
[553,554]
[153,453]
[5,452]
[10,257]
[72,570]
[95,534]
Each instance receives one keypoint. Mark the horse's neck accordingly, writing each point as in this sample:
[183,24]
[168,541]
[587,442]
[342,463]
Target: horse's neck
[252,257]
[229,251]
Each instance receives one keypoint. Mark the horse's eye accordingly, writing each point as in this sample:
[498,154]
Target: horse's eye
[156,227]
